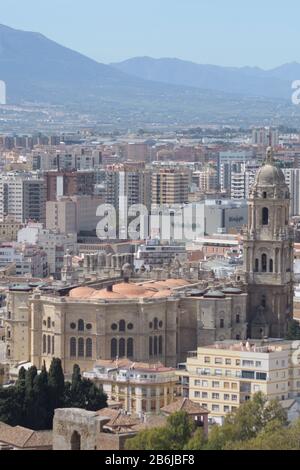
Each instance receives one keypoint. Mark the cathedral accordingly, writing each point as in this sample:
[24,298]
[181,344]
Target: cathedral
[268,254]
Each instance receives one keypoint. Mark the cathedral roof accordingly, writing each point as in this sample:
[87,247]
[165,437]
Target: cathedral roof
[269,174]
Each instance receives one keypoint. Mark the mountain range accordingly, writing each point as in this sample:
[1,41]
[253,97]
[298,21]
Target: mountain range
[143,90]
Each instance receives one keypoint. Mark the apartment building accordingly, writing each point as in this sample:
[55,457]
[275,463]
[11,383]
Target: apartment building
[139,388]
[170,187]
[224,375]
[22,197]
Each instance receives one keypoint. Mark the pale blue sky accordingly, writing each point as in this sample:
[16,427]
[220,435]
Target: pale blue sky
[225,32]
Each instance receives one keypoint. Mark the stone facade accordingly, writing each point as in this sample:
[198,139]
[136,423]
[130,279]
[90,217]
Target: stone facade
[268,254]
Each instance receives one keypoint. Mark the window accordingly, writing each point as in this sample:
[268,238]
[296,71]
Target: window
[150,346]
[265,216]
[216,384]
[238,319]
[49,344]
[264,195]
[264,263]
[207,360]
[261,376]
[73,326]
[197,394]
[204,383]
[89,347]
[271,266]
[48,322]
[204,395]
[256,268]
[216,396]
[113,348]
[256,388]
[258,364]
[150,325]
[52,345]
[114,326]
[228,362]
[218,360]
[234,397]
[155,345]
[234,386]
[44,344]
[222,323]
[197,383]
[130,326]
[226,397]
[218,371]
[155,323]
[226,409]
[215,408]
[122,348]
[130,347]
[226,385]
[122,325]
[160,345]
[248,363]
[247,374]
[81,347]
[161,324]
[80,325]
[237,362]
[73,347]
[88,326]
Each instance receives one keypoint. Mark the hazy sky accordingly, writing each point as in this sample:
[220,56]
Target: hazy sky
[226,32]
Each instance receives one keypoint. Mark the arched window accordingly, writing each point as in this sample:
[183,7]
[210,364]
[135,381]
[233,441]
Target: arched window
[8,352]
[122,348]
[122,325]
[265,216]
[44,344]
[264,263]
[222,323]
[49,344]
[155,346]
[237,319]
[263,301]
[256,267]
[80,325]
[238,337]
[150,346]
[113,348]
[52,345]
[130,347]
[264,195]
[271,266]
[160,345]
[89,348]
[73,347]
[48,322]
[81,347]
[75,441]
[155,323]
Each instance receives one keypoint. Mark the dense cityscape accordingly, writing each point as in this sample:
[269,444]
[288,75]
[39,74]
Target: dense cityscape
[149,256]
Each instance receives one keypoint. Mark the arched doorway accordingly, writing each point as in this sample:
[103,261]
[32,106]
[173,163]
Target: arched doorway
[76,441]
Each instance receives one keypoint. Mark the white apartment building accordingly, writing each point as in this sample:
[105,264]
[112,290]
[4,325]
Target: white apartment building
[139,388]
[265,136]
[55,244]
[242,181]
[22,197]
[223,376]
[28,260]
[292,178]
[154,254]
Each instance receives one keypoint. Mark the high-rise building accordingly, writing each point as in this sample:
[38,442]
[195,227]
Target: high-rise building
[265,136]
[170,187]
[69,183]
[292,178]
[230,162]
[268,253]
[22,197]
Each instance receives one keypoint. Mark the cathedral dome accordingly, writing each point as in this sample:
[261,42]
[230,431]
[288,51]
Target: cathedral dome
[270,175]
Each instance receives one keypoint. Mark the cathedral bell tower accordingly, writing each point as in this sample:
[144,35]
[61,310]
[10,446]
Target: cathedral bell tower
[268,253]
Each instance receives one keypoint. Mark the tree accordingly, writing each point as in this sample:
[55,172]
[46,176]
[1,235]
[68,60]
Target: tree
[56,380]
[30,398]
[42,412]
[174,436]
[197,441]
[293,331]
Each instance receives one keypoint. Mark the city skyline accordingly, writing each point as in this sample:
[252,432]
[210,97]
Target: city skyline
[115,31]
